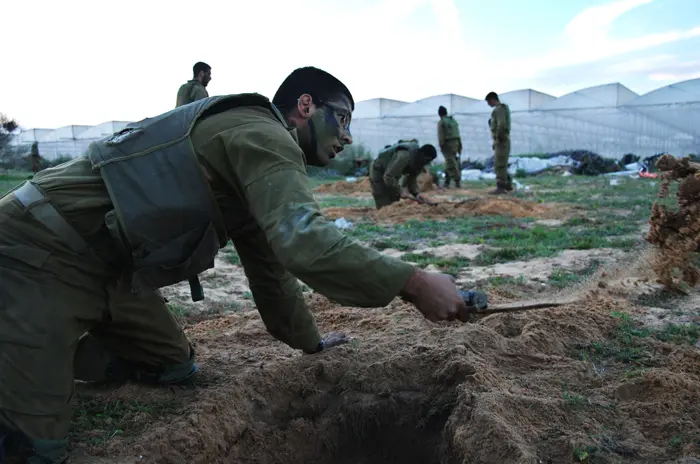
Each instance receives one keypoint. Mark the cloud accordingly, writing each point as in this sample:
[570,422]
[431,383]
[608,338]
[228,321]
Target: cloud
[587,38]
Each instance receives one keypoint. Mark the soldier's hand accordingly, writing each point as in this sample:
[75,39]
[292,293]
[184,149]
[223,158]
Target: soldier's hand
[330,340]
[434,295]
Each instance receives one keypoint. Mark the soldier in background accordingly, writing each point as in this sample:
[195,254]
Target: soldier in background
[195,89]
[450,144]
[500,132]
[35,158]
[399,166]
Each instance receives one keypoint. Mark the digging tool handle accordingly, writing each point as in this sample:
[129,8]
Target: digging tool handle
[510,307]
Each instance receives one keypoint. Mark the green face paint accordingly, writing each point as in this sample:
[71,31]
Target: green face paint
[327,127]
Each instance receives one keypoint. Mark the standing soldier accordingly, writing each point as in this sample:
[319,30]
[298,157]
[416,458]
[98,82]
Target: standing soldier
[500,132]
[450,144]
[36,157]
[195,89]
[398,166]
[85,245]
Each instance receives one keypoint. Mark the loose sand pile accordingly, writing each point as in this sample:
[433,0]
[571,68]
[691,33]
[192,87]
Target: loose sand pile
[677,233]
[406,210]
[510,388]
[363,186]
[343,187]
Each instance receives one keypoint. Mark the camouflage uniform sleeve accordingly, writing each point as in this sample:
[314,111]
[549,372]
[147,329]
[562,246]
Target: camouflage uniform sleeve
[493,122]
[410,182]
[441,134]
[499,120]
[269,166]
[394,171]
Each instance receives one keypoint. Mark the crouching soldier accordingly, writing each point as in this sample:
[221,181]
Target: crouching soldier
[399,166]
[85,246]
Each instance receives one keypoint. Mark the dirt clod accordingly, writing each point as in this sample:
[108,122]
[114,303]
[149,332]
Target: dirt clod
[676,234]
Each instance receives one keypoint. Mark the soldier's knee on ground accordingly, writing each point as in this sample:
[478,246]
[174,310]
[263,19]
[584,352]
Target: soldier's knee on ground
[19,449]
[94,363]
[49,452]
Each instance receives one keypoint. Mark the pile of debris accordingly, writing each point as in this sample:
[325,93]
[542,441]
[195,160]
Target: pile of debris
[677,233]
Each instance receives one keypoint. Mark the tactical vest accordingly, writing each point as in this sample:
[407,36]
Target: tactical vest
[450,128]
[165,218]
[387,153]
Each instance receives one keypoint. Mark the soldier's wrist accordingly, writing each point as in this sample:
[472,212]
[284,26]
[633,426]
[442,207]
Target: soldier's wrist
[320,346]
[412,287]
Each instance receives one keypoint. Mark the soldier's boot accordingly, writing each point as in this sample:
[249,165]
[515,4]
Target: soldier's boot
[94,363]
[509,185]
[120,370]
[447,181]
[475,299]
[457,182]
[501,189]
[49,452]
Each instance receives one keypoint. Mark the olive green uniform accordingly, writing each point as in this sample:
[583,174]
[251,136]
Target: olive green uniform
[191,91]
[450,144]
[56,286]
[392,170]
[500,133]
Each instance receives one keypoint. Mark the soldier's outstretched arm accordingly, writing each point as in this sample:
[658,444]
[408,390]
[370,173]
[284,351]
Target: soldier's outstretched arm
[277,293]
[411,182]
[267,166]
[394,171]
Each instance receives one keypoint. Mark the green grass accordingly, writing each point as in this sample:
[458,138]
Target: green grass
[627,345]
[609,216]
[10,181]
[103,421]
[450,265]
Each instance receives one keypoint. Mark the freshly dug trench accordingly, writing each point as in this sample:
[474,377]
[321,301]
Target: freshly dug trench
[512,387]
[354,422]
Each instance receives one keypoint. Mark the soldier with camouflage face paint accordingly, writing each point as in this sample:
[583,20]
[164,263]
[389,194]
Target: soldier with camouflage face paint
[196,88]
[85,245]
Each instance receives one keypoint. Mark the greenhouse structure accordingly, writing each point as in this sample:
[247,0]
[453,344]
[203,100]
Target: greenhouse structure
[609,119]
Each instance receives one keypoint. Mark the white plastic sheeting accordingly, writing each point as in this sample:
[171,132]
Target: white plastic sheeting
[609,119]
[67,141]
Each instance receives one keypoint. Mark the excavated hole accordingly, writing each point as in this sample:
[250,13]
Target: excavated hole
[357,428]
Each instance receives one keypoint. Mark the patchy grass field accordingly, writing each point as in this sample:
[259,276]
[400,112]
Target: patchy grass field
[614,377]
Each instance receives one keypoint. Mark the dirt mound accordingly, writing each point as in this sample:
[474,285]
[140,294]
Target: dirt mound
[510,388]
[343,187]
[363,186]
[406,210]
[677,233]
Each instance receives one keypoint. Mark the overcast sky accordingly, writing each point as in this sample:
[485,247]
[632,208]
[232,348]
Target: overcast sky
[87,62]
